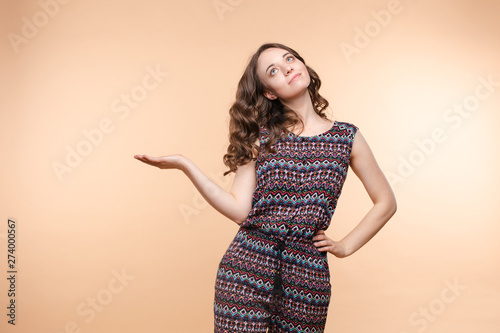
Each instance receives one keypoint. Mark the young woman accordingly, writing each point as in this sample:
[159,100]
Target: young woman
[290,163]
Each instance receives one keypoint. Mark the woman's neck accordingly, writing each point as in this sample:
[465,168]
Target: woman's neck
[304,108]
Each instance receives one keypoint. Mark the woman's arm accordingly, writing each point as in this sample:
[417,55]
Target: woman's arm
[365,166]
[235,204]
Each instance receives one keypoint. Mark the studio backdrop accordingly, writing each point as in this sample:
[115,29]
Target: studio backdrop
[92,240]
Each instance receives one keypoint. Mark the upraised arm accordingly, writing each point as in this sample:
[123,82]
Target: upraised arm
[235,204]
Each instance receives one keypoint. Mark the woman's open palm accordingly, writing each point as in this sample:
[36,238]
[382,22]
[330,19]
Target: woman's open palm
[163,162]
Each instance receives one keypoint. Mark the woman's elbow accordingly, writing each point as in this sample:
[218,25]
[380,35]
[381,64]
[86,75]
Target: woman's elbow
[387,204]
[237,220]
[392,206]
[240,218]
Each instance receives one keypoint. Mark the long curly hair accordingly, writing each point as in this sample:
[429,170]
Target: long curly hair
[252,109]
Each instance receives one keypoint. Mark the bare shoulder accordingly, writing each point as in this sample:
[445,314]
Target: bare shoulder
[360,147]
[357,144]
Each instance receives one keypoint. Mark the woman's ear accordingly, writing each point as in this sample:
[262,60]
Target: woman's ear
[270,95]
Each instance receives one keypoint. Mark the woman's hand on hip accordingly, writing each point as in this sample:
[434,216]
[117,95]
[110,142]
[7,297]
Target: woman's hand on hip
[324,243]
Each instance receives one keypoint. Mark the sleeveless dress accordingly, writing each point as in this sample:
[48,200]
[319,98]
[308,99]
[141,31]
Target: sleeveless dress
[272,276]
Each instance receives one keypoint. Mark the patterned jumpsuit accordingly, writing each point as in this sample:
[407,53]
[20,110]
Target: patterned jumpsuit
[272,276]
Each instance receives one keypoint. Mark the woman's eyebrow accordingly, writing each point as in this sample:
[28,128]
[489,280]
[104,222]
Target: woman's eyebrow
[271,65]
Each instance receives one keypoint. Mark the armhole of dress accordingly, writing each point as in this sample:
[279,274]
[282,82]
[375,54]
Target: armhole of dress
[353,129]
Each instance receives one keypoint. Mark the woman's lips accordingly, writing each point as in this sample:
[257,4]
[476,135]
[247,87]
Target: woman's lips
[293,78]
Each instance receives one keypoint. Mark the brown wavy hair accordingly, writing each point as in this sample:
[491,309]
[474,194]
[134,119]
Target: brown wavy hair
[252,110]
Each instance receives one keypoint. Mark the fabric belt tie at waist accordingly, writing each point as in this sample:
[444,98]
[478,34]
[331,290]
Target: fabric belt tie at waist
[278,287]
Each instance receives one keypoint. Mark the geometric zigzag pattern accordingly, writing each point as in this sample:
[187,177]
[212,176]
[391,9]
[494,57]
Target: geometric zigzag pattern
[272,278]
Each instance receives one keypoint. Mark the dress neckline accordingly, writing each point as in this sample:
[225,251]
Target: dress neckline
[316,135]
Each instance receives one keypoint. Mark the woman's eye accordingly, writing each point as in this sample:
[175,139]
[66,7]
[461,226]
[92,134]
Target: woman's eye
[273,71]
[289,59]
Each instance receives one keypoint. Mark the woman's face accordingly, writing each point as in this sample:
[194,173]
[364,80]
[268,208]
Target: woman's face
[283,75]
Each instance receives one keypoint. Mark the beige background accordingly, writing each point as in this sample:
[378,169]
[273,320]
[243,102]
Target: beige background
[114,215]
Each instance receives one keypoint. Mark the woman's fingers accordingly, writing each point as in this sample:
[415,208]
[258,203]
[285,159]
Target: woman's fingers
[324,246]
[319,237]
[321,243]
[141,157]
[153,161]
[146,158]
[175,161]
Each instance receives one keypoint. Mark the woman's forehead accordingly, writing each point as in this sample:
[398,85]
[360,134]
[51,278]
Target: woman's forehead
[272,52]
[270,56]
